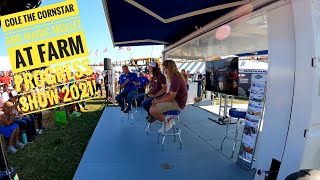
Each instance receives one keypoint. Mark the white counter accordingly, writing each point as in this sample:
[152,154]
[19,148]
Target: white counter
[192,93]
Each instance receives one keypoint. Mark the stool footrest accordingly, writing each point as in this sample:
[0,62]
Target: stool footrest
[174,134]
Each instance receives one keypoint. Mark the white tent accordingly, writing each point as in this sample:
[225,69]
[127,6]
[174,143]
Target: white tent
[5,63]
[252,65]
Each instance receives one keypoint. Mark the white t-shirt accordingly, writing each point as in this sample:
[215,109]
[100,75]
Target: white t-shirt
[99,79]
[117,76]
[5,97]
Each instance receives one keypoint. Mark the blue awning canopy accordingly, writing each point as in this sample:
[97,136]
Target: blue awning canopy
[264,52]
[145,22]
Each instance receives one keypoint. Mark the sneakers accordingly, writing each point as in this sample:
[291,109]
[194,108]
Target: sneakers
[168,124]
[151,119]
[39,131]
[19,145]
[127,110]
[11,149]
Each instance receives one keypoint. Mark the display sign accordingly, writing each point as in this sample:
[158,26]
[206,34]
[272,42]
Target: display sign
[39,38]
[253,117]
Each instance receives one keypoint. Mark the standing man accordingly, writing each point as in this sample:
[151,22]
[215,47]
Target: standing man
[116,81]
[106,84]
[144,82]
[128,83]
[199,80]
[92,79]
[99,82]
[175,99]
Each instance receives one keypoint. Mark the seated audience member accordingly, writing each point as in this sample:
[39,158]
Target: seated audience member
[9,129]
[175,99]
[128,82]
[144,81]
[37,115]
[24,121]
[5,95]
[158,88]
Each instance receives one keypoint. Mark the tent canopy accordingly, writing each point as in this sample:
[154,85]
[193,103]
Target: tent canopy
[145,22]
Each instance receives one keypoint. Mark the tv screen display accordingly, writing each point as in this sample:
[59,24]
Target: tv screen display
[222,76]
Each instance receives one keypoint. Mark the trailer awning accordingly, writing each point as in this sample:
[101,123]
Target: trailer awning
[145,22]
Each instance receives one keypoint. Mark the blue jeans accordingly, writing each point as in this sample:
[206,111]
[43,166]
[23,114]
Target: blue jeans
[22,123]
[140,97]
[27,124]
[199,90]
[145,103]
[128,95]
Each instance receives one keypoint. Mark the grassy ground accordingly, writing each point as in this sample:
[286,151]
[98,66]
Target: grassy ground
[236,100]
[57,153]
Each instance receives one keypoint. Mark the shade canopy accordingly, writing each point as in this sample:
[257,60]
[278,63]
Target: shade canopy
[145,22]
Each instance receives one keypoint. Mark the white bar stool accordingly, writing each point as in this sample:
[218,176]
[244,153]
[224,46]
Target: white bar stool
[176,128]
[134,110]
[240,114]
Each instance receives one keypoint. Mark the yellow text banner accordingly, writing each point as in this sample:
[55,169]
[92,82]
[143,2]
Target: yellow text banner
[47,52]
[39,15]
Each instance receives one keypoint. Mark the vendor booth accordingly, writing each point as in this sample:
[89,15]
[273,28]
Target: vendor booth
[285,136]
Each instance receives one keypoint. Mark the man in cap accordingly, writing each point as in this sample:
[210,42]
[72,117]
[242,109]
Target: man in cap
[158,88]
[144,82]
[5,95]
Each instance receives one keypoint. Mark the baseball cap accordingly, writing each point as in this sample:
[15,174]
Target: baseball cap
[13,94]
[10,87]
[153,64]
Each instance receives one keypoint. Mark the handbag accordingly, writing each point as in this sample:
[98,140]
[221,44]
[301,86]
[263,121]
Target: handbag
[61,117]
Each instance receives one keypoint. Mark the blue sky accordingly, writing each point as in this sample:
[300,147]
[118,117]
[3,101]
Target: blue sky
[97,34]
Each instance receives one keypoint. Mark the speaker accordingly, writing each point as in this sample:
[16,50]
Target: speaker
[107,64]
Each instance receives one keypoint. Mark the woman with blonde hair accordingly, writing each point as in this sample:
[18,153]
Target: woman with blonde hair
[175,99]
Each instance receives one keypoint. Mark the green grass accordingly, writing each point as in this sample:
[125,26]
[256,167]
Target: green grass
[56,154]
[235,101]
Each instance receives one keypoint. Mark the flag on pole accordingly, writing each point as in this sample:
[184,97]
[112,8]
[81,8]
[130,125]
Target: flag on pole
[128,48]
[105,50]
[96,53]
[120,48]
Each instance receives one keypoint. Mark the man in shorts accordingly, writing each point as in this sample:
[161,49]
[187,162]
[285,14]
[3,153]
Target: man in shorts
[175,99]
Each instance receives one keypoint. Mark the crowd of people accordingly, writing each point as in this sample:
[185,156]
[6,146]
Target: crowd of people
[16,124]
[168,91]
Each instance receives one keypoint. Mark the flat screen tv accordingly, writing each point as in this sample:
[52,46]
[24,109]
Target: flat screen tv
[222,76]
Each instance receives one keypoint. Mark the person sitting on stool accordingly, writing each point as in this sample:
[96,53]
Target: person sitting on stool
[128,82]
[144,81]
[158,89]
[175,99]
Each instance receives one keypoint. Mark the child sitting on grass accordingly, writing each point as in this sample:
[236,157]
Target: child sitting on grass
[9,129]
